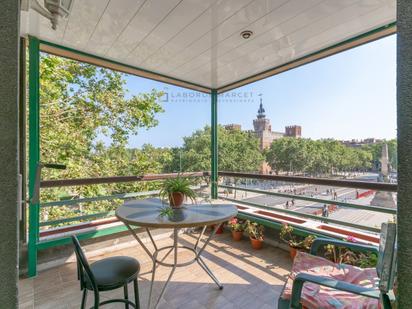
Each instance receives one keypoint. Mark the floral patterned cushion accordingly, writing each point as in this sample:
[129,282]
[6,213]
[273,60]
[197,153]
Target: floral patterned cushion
[315,296]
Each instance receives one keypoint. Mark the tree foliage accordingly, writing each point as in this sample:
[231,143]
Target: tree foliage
[317,156]
[237,151]
[80,105]
[376,151]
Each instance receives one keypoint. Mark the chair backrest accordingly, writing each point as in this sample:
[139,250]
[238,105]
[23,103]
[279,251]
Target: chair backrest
[83,269]
[386,266]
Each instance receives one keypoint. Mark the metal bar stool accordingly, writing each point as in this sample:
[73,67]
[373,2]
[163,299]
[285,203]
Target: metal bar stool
[106,275]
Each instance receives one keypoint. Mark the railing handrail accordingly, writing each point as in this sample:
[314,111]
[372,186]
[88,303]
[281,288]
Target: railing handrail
[314,199]
[115,179]
[304,215]
[378,186]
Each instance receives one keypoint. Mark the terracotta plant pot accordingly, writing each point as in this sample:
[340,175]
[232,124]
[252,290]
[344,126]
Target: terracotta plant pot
[237,235]
[293,252]
[220,229]
[176,199]
[257,244]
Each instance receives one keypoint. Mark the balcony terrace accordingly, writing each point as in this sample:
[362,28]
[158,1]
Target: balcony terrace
[211,47]
[251,279]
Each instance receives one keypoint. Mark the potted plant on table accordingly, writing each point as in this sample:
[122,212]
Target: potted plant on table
[255,231]
[295,244]
[175,190]
[237,226]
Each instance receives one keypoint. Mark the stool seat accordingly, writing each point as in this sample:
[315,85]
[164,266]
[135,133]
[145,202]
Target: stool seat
[114,272]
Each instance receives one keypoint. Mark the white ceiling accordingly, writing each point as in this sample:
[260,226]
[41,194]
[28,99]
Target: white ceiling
[199,40]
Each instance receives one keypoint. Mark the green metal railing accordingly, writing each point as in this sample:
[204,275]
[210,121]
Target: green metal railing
[36,244]
[34,160]
[376,186]
[35,45]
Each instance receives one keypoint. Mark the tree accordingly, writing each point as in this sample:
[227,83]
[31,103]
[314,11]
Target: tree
[237,151]
[376,151]
[317,157]
[80,106]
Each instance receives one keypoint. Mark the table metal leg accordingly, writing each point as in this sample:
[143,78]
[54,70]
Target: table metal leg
[200,236]
[152,256]
[208,239]
[175,246]
[199,258]
[197,250]
[139,241]
[209,272]
[151,238]
[152,281]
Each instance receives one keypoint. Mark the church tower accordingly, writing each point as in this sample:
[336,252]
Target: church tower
[263,129]
[261,123]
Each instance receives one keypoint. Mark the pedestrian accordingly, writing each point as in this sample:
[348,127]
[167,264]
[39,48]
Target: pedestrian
[293,202]
[325,212]
[287,205]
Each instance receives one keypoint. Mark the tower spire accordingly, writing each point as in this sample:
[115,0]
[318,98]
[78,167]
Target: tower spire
[261,110]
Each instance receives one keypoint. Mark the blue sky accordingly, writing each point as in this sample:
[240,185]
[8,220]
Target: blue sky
[351,95]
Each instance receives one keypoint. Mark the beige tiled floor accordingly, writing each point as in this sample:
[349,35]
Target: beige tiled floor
[251,279]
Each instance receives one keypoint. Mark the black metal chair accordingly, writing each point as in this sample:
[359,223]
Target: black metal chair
[106,275]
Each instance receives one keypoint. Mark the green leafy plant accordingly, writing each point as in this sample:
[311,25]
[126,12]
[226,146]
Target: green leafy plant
[368,260]
[346,256]
[286,234]
[177,185]
[236,225]
[255,230]
[166,211]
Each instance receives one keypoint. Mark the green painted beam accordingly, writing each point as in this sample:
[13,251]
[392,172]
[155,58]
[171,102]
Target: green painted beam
[214,145]
[61,51]
[313,199]
[346,45]
[303,215]
[34,149]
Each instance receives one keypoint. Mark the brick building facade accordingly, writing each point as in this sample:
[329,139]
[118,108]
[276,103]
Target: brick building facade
[263,130]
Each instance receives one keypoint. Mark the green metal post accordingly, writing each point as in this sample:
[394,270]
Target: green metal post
[34,150]
[214,147]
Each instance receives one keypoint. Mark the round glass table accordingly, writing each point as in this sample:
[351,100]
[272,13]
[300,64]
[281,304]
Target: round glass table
[147,214]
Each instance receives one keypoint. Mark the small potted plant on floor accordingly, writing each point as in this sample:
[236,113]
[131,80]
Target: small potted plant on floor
[255,231]
[175,190]
[237,226]
[295,244]
[220,229]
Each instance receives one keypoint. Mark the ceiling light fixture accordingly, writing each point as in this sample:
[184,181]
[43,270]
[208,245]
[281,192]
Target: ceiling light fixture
[53,9]
[246,34]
